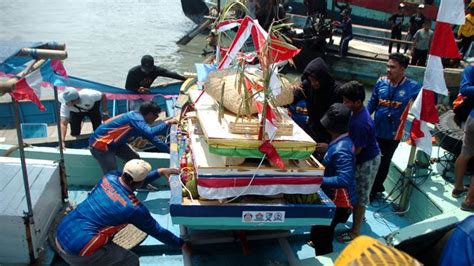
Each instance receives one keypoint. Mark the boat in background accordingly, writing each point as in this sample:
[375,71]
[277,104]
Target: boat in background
[374,13]
[430,213]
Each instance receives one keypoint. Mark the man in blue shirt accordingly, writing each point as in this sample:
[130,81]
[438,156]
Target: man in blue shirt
[467,148]
[362,133]
[110,139]
[84,236]
[338,181]
[390,100]
[459,250]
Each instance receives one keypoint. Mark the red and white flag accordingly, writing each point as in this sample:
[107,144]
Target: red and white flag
[29,88]
[442,46]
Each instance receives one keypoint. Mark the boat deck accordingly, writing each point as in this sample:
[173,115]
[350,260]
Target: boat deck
[9,135]
[381,220]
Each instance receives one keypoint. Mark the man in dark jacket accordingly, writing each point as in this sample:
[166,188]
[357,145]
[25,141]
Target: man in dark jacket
[318,89]
[140,78]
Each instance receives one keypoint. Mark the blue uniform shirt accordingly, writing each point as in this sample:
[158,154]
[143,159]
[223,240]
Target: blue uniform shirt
[109,208]
[459,250]
[338,181]
[119,129]
[467,84]
[391,104]
[362,132]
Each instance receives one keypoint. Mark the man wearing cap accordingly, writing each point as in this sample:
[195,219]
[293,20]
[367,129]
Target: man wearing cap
[84,236]
[396,23]
[140,78]
[110,139]
[338,181]
[390,101]
[76,105]
[416,23]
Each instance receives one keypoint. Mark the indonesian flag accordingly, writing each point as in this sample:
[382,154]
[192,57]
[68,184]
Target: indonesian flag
[443,45]
[248,27]
[29,88]
[233,185]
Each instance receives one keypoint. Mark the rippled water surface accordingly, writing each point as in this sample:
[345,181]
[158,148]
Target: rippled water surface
[105,38]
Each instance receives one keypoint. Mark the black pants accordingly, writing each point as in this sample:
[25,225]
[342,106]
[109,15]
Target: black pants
[322,235]
[395,35]
[419,57]
[75,119]
[387,149]
[464,44]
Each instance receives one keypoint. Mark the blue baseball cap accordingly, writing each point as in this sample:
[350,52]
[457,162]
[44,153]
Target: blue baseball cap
[69,94]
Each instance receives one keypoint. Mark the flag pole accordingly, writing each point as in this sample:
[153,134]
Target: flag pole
[406,182]
[62,167]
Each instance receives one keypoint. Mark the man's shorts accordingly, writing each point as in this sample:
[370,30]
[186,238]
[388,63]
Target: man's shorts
[468,140]
[364,178]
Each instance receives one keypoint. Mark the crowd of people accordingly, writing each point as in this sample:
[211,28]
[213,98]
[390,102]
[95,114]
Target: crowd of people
[355,148]
[359,149]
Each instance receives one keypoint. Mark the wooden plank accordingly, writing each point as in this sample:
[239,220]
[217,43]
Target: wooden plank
[209,163]
[217,133]
[10,135]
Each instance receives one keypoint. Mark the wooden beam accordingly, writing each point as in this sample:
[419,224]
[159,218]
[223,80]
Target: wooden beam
[10,84]
[43,53]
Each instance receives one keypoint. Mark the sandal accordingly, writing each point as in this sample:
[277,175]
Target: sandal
[345,237]
[459,193]
[467,207]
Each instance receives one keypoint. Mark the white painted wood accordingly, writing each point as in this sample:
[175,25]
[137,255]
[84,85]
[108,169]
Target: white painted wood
[45,189]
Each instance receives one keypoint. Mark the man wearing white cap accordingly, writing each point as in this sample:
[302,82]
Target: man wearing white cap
[396,24]
[416,23]
[76,105]
[84,236]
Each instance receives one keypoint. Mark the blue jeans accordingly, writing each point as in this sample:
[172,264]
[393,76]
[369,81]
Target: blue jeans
[344,46]
[107,159]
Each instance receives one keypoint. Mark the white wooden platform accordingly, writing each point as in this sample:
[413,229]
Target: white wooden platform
[46,200]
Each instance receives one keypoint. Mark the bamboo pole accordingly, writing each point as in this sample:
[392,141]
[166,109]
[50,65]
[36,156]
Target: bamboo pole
[62,166]
[9,85]
[54,46]
[43,53]
[406,186]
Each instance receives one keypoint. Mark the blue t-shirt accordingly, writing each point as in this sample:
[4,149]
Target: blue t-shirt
[459,250]
[362,133]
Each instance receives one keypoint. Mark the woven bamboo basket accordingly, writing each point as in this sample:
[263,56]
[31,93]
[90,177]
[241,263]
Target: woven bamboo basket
[235,97]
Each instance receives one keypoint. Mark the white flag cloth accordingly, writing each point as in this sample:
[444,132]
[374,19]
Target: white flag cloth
[452,12]
[434,76]
[424,143]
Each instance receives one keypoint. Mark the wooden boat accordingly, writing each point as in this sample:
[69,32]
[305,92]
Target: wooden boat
[415,230]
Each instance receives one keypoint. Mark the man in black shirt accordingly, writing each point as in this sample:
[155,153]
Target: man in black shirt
[396,22]
[416,23]
[140,78]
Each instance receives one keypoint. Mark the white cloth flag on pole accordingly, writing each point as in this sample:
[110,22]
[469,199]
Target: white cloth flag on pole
[443,46]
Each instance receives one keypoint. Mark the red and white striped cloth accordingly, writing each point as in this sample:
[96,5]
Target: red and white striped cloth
[224,187]
[29,87]
[443,45]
